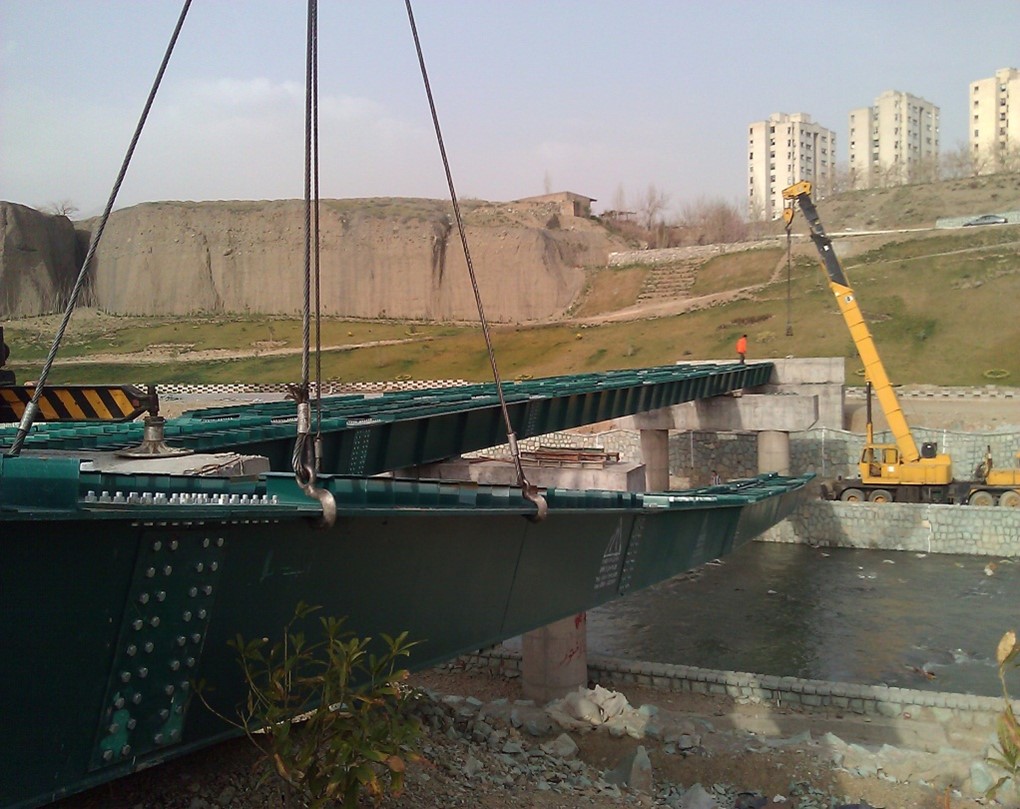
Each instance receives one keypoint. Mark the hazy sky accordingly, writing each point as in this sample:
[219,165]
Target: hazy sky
[589,96]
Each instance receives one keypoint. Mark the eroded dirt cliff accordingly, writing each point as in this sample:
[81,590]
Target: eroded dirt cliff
[394,258]
[39,259]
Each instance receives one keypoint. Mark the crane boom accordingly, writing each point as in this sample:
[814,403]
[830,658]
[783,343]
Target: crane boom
[874,370]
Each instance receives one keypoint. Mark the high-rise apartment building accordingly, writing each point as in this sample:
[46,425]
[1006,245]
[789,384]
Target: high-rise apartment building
[784,150]
[995,121]
[894,141]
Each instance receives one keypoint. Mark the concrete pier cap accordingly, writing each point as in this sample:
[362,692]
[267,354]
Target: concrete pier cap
[801,394]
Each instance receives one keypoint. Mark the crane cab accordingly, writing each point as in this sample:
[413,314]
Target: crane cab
[884,465]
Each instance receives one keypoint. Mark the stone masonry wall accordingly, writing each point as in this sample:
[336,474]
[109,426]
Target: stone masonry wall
[826,452]
[952,711]
[669,255]
[829,453]
[834,453]
[913,527]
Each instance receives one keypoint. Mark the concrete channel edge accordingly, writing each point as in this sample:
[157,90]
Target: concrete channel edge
[945,708]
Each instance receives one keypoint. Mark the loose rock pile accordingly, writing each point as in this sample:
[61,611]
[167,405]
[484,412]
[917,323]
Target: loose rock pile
[590,749]
[519,744]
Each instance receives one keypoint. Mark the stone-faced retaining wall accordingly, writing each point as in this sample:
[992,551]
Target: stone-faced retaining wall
[826,452]
[830,453]
[835,453]
[668,255]
[692,455]
[952,711]
[903,527]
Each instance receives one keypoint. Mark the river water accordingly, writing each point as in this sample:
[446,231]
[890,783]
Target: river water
[875,617]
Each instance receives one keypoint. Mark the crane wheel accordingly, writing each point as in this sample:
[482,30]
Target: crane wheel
[852,496]
[981,498]
[1010,499]
[880,496]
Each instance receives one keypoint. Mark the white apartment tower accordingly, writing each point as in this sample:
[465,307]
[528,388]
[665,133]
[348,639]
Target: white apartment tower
[893,142]
[784,150]
[995,121]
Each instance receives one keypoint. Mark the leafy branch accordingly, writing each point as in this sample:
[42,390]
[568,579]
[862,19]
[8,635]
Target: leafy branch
[1008,729]
[356,731]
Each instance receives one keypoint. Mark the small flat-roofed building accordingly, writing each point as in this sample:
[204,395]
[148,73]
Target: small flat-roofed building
[569,203]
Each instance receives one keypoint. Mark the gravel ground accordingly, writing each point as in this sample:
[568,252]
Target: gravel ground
[486,748]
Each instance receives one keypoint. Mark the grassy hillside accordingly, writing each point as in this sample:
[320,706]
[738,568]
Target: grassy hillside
[912,206]
[942,306]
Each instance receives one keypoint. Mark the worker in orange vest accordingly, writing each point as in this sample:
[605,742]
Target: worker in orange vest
[742,347]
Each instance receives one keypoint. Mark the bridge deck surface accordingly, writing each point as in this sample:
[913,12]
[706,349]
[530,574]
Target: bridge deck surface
[365,434]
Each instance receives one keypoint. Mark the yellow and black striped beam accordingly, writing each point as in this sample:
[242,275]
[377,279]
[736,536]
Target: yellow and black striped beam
[76,402]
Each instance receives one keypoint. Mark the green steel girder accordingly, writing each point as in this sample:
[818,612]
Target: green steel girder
[366,435]
[115,610]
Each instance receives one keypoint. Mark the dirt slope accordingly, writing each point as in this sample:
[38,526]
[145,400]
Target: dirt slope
[379,259]
[38,261]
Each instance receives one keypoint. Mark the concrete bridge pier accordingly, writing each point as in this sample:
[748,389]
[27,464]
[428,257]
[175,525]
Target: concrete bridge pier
[774,451]
[554,659]
[655,454]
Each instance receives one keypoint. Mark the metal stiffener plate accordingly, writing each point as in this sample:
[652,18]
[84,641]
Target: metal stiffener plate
[636,535]
[162,631]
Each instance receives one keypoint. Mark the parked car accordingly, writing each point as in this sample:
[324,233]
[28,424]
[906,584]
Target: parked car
[987,219]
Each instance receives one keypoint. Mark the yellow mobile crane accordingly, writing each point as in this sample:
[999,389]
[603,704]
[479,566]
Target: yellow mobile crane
[896,471]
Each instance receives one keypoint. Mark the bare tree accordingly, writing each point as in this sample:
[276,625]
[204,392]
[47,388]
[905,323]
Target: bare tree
[652,206]
[713,221]
[62,207]
[1009,159]
[619,199]
[958,163]
[844,178]
[924,170]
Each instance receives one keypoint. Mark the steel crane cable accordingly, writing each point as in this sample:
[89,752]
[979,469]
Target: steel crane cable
[789,267]
[527,489]
[33,406]
[306,454]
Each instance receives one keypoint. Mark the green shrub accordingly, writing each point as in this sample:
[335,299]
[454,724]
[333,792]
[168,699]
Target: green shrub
[356,732]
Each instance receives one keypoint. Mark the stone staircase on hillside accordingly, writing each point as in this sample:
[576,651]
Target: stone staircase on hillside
[669,281]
